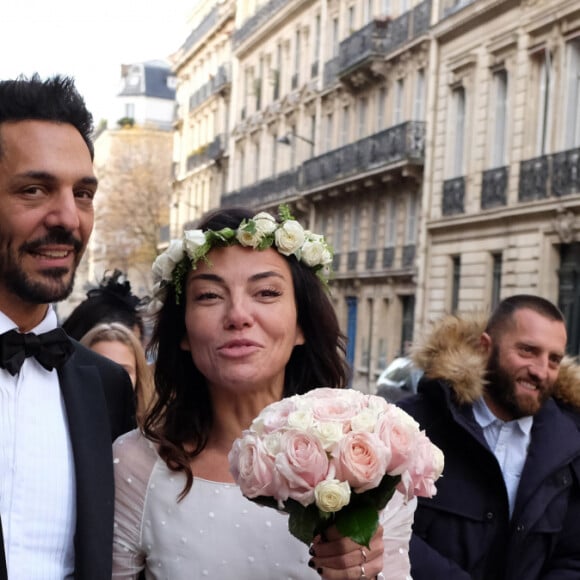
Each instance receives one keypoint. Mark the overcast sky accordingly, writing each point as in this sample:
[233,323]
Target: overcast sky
[88,40]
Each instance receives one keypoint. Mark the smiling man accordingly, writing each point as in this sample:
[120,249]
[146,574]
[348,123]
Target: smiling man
[61,404]
[508,504]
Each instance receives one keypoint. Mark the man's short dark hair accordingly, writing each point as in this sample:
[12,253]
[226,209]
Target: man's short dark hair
[54,99]
[502,316]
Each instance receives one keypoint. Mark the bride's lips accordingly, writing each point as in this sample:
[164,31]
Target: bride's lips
[238,348]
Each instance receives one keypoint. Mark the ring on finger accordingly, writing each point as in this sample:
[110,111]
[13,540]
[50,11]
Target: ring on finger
[363,576]
[363,555]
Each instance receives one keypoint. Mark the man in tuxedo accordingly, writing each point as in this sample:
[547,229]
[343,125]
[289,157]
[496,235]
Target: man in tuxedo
[60,404]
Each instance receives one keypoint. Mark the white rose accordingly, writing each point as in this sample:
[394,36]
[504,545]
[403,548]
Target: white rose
[272,443]
[289,237]
[314,253]
[192,240]
[249,239]
[329,433]
[265,223]
[365,420]
[164,264]
[300,419]
[331,495]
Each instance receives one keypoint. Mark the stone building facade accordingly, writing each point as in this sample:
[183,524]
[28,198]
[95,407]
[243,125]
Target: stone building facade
[501,200]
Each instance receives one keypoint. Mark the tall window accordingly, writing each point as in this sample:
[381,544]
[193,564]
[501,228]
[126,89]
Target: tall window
[274,152]
[399,102]
[256,162]
[338,230]
[345,126]
[335,37]
[458,97]
[367,11]
[241,167]
[293,147]
[455,282]
[381,108]
[328,133]
[354,228]
[419,104]
[363,105]
[386,7]
[572,138]
[312,133]
[498,154]
[351,19]
[545,81]
[496,279]
[316,46]
[278,74]
[390,222]
[411,224]
[130,110]
[296,59]
[374,219]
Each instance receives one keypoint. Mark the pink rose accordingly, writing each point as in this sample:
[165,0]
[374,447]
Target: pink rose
[398,431]
[252,467]
[425,467]
[302,463]
[334,405]
[274,417]
[362,460]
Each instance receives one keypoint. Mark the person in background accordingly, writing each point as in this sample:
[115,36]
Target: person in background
[118,343]
[61,403]
[240,326]
[111,301]
[508,504]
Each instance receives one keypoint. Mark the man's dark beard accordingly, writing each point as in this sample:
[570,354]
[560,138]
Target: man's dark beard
[502,389]
[18,282]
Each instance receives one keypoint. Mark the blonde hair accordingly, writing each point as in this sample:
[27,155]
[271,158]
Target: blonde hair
[117,332]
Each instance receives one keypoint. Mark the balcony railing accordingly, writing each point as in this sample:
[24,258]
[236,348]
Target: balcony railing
[404,142]
[210,152]
[370,259]
[388,257]
[566,172]
[264,192]
[217,83]
[200,31]
[494,187]
[533,179]
[352,259]
[408,257]
[265,12]
[453,196]
[363,45]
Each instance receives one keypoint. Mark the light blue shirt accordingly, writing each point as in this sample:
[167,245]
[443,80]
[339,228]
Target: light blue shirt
[509,443]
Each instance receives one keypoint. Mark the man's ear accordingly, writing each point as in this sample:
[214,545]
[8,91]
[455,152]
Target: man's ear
[485,342]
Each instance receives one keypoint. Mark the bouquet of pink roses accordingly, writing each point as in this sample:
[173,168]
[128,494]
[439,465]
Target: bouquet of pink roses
[334,457]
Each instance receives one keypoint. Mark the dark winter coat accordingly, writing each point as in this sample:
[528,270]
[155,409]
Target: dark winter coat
[465,532]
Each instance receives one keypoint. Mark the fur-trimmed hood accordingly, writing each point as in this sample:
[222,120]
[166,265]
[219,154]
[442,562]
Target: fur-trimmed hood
[451,350]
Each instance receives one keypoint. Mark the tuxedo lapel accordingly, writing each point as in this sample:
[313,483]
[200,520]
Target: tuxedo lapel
[90,435]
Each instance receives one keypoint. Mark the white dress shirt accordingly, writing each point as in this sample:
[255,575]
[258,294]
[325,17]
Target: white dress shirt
[509,442]
[37,480]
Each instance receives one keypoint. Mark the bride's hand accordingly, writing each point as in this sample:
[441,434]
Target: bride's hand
[338,558]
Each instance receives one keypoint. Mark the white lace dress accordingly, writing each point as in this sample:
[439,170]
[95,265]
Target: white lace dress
[215,532]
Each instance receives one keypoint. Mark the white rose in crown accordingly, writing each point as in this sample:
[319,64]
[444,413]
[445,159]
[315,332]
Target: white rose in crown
[315,253]
[165,263]
[265,223]
[289,237]
[249,237]
[192,240]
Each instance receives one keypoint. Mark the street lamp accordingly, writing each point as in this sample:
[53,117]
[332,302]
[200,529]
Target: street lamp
[287,139]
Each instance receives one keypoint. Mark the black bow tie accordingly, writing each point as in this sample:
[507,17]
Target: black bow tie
[50,349]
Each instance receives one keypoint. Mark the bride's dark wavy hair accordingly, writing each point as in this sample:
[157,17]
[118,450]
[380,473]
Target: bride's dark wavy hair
[183,414]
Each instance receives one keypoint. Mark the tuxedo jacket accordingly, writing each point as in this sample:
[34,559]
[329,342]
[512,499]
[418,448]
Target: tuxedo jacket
[100,406]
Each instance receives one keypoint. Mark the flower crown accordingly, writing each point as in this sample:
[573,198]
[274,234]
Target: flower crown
[260,232]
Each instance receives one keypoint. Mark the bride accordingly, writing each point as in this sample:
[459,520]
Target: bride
[245,320]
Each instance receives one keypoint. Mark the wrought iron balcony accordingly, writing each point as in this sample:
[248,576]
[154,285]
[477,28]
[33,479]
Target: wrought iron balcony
[352,259]
[264,13]
[421,18]
[371,259]
[388,257]
[200,31]
[566,172]
[264,192]
[408,257]
[218,83]
[533,179]
[210,152]
[494,187]
[404,142]
[453,196]
[360,51]
[450,7]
